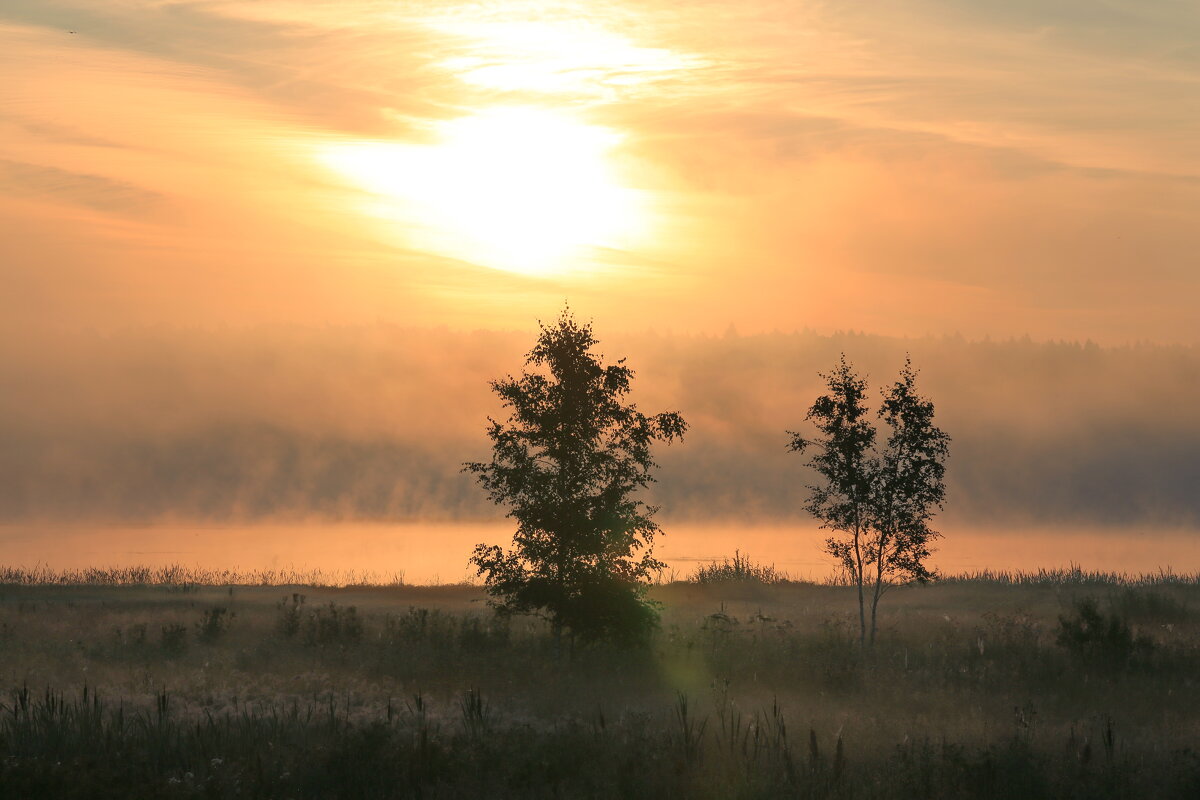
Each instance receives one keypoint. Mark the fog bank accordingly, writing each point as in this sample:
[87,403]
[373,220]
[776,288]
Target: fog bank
[372,424]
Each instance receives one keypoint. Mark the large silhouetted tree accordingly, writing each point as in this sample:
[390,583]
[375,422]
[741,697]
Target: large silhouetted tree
[568,462]
[879,500]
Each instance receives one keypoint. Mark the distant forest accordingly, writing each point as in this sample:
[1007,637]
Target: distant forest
[373,423]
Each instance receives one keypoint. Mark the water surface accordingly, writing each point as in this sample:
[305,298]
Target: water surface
[423,553]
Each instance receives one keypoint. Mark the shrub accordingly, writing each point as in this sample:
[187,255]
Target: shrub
[332,624]
[447,632]
[213,624]
[1150,606]
[1100,638]
[174,639]
[290,615]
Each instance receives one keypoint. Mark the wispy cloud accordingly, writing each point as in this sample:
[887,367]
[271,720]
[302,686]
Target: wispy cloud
[905,166]
[93,191]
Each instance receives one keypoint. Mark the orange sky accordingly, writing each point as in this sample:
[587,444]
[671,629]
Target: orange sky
[896,166]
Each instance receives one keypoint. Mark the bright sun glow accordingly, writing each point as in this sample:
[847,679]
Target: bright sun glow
[572,56]
[526,190]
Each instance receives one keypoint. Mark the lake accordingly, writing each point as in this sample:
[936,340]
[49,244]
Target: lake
[423,552]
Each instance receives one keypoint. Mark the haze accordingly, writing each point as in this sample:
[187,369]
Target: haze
[260,259]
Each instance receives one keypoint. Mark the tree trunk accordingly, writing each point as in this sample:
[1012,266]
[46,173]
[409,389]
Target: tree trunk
[862,614]
[858,574]
[879,558]
[875,605]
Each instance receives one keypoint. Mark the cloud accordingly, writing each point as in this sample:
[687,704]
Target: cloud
[905,167]
[93,191]
[297,64]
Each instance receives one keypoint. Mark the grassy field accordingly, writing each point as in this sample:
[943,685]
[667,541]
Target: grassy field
[122,684]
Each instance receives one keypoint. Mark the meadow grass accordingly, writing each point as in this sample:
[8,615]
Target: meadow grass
[739,569]
[981,686]
[182,577]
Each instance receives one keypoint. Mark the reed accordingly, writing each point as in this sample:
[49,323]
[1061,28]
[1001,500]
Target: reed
[184,577]
[738,569]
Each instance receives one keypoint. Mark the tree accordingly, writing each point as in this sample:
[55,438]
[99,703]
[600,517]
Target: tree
[845,460]
[567,463]
[910,485]
[879,500]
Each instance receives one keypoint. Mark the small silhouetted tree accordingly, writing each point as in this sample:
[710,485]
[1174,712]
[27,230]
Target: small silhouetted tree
[844,459]
[567,463]
[879,500]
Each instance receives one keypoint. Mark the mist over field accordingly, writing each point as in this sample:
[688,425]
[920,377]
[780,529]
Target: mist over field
[372,423]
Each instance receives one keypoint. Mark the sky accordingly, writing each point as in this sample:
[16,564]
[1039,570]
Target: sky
[899,167]
[261,258]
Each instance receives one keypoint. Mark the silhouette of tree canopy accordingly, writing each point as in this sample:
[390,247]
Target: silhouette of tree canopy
[879,500]
[567,462]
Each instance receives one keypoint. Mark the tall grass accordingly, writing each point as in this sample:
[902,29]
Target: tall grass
[177,575]
[86,745]
[739,569]
[975,691]
[1074,576]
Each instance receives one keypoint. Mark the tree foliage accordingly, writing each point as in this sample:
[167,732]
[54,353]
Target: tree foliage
[879,499]
[568,462]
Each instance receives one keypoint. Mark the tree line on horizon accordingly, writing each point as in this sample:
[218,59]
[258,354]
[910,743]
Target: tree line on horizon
[367,423]
[571,456]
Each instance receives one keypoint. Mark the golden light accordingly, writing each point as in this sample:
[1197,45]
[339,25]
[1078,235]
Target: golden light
[522,189]
[565,56]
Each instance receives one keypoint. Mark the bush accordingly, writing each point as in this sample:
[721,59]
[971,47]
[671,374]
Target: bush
[1100,638]
[174,639]
[446,632]
[290,615]
[321,626]
[213,624]
[1150,606]
[332,624]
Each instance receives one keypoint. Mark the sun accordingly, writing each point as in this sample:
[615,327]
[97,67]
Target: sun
[528,190]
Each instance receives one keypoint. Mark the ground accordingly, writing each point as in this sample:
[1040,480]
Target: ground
[976,688]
